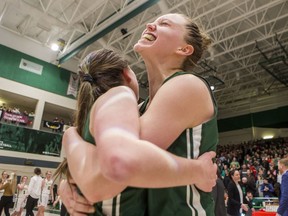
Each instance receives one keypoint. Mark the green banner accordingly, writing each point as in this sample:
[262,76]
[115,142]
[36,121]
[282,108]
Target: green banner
[23,139]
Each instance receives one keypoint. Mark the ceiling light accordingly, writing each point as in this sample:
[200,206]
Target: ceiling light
[54,46]
[58,45]
[268,137]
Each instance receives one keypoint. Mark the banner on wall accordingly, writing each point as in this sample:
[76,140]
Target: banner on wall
[73,85]
[20,139]
[53,125]
[12,117]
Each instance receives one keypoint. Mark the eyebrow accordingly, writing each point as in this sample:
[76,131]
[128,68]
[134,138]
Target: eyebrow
[164,19]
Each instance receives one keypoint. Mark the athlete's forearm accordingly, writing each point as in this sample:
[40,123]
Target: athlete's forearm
[82,158]
[133,162]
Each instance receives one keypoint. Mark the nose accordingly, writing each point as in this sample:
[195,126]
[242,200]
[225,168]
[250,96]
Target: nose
[151,26]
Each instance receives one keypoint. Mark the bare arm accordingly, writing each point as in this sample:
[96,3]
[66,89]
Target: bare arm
[52,192]
[183,102]
[20,186]
[124,159]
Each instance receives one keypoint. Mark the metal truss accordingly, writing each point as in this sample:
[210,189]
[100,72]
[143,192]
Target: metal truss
[233,25]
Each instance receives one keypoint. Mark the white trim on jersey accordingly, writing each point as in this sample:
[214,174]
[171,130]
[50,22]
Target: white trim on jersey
[107,207]
[196,202]
[118,203]
[188,193]
[197,136]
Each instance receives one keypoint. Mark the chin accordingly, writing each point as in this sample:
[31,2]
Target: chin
[138,47]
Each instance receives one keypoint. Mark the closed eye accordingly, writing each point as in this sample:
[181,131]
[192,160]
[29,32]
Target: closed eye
[164,23]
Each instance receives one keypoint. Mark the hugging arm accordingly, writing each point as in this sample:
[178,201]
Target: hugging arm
[120,157]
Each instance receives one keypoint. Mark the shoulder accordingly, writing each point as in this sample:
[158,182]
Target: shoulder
[186,86]
[187,82]
[118,103]
[231,185]
[285,178]
[120,90]
[188,97]
[116,95]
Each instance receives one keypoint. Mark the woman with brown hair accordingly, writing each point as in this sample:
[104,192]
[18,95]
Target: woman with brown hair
[179,116]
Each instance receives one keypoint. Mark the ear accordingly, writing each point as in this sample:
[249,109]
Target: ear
[126,75]
[187,50]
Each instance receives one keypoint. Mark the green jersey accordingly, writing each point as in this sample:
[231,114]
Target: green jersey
[186,200]
[130,202]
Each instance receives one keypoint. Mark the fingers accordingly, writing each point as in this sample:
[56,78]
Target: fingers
[79,198]
[80,208]
[208,156]
[74,202]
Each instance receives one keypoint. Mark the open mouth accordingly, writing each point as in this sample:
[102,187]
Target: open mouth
[149,37]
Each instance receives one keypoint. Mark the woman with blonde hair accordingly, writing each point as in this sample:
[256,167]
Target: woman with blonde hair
[3,180]
[9,190]
[179,116]
[22,194]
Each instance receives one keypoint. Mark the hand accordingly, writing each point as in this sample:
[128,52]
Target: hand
[76,204]
[208,176]
[244,207]
[54,203]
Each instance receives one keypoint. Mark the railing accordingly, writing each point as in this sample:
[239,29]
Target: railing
[23,139]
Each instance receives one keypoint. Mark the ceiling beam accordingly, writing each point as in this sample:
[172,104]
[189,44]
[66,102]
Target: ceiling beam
[113,23]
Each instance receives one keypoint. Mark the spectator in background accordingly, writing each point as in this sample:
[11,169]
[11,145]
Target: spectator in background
[234,164]
[243,171]
[283,205]
[223,172]
[226,179]
[235,204]
[249,198]
[61,123]
[46,192]
[218,192]
[31,116]
[244,185]
[1,112]
[3,180]
[267,188]
[259,182]
[21,198]
[251,184]
[34,191]
[9,190]
[55,124]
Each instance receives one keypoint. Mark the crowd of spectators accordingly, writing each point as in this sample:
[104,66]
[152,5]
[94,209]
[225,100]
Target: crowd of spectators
[16,111]
[56,125]
[257,162]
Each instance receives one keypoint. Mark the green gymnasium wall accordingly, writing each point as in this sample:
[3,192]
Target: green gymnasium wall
[276,118]
[53,78]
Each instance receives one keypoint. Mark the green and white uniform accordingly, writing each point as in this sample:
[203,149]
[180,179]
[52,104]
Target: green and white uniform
[186,200]
[130,202]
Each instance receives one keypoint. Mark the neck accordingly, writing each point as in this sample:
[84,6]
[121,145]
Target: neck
[284,170]
[157,73]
